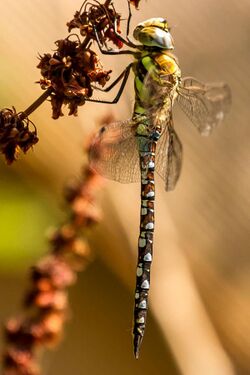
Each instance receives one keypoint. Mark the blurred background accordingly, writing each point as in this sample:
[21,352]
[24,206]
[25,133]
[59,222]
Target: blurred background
[200,308]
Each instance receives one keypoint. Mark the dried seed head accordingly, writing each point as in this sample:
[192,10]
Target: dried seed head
[62,236]
[15,134]
[27,333]
[19,333]
[85,213]
[43,329]
[100,16]
[17,361]
[52,323]
[50,299]
[54,271]
[70,72]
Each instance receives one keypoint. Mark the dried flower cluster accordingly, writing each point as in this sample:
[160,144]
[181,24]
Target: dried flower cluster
[67,74]
[15,134]
[46,302]
[70,71]
[100,16]
[73,67]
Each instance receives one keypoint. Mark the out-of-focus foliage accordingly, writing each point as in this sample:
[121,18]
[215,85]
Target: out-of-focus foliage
[25,214]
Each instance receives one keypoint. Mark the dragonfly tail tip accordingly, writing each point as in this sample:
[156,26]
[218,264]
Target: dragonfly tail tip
[137,345]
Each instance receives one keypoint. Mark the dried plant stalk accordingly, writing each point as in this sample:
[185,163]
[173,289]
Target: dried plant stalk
[46,301]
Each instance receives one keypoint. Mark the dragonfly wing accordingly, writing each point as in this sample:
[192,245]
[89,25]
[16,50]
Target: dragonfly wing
[169,157]
[157,96]
[204,104]
[114,153]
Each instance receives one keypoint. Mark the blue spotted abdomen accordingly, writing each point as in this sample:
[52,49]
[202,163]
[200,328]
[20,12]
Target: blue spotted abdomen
[147,147]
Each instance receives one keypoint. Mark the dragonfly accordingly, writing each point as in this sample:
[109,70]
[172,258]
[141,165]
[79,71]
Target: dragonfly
[132,150]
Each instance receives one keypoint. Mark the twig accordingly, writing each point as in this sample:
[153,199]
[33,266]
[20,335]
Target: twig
[36,104]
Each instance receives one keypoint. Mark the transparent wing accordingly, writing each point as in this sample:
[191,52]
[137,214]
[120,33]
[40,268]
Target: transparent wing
[157,97]
[114,152]
[205,104]
[169,157]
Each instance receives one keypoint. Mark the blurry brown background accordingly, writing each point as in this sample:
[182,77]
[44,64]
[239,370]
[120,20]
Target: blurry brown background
[200,309]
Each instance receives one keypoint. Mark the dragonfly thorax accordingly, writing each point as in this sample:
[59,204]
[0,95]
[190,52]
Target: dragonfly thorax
[154,32]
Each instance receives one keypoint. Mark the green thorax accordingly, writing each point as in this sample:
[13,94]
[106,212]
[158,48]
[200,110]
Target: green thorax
[153,70]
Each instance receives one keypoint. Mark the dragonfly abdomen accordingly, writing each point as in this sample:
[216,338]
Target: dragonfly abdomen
[145,242]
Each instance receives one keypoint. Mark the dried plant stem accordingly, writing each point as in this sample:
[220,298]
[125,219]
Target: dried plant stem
[46,301]
[36,104]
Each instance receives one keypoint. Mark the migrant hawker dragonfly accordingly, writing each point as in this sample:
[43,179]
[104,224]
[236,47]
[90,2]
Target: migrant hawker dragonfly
[132,150]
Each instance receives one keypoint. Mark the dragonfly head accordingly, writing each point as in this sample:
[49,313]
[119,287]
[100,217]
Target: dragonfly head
[154,32]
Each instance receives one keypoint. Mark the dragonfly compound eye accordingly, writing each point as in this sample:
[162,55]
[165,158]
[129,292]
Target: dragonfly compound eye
[154,34]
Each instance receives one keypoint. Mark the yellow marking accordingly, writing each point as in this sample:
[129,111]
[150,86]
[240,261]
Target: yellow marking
[141,129]
[166,63]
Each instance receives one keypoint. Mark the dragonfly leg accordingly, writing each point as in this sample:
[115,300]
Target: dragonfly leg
[128,23]
[128,41]
[125,75]
[114,83]
[110,52]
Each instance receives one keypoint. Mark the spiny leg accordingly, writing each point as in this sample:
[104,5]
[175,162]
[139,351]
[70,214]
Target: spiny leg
[116,81]
[126,41]
[123,84]
[110,52]
[128,22]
